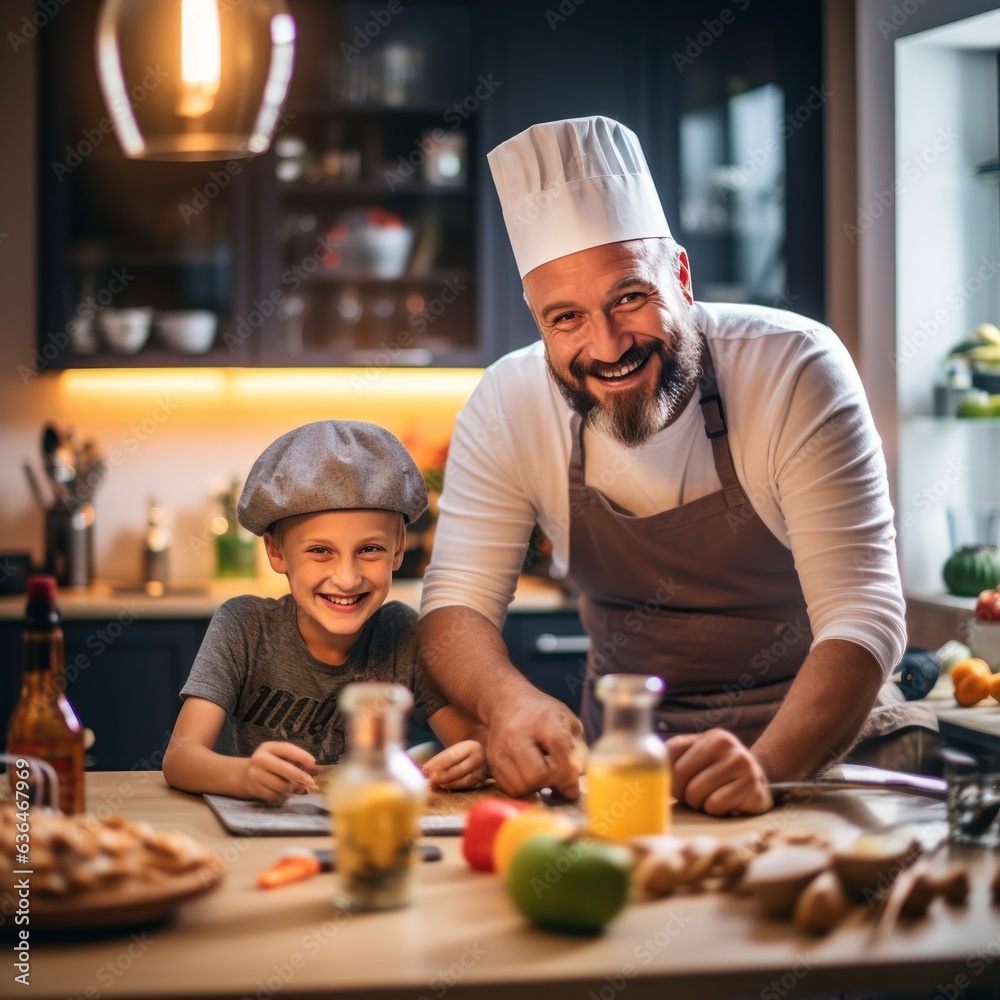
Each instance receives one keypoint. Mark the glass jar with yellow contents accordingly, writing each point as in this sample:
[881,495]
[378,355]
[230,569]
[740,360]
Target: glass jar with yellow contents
[628,774]
[377,795]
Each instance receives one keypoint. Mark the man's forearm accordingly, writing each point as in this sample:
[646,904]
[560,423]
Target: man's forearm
[823,712]
[469,661]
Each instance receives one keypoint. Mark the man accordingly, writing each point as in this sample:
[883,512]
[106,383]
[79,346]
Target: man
[710,477]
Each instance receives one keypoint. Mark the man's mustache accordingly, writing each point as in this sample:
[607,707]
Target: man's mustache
[635,355]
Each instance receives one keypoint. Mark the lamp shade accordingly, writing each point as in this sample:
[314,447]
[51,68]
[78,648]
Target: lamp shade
[194,79]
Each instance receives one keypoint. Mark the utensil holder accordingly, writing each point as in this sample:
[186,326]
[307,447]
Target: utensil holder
[69,546]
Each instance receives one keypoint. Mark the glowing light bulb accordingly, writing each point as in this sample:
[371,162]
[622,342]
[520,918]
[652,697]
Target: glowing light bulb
[201,57]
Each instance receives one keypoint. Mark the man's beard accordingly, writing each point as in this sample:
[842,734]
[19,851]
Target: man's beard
[632,416]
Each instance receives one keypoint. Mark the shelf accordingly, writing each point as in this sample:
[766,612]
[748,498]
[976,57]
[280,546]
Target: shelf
[926,418]
[328,106]
[988,171]
[97,257]
[374,188]
[155,357]
[333,277]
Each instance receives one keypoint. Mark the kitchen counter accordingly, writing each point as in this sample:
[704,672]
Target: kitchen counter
[462,932]
[106,600]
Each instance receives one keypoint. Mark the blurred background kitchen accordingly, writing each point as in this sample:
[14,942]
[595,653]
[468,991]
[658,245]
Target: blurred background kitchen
[179,316]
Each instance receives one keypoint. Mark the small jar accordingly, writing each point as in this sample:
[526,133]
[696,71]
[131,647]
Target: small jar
[628,774]
[377,796]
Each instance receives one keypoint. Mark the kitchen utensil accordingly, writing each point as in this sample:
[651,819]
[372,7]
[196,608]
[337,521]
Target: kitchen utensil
[69,545]
[973,798]
[36,490]
[51,444]
[852,776]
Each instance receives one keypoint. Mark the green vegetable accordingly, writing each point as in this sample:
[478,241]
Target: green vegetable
[972,569]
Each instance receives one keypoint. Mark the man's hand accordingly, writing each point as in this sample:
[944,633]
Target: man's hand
[462,765]
[276,770]
[538,743]
[713,771]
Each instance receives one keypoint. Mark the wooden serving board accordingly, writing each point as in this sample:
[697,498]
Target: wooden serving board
[128,903]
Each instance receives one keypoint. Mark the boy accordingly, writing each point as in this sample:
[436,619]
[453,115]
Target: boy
[331,500]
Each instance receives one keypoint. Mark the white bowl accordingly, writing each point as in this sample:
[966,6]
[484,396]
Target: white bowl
[126,330]
[383,251]
[191,332]
[984,640]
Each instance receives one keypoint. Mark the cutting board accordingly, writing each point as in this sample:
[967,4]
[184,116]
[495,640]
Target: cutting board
[308,815]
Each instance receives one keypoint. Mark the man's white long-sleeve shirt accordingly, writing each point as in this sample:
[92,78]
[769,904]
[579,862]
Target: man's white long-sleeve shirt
[803,443]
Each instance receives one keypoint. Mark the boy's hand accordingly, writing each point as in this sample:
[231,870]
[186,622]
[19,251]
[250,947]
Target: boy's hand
[276,770]
[462,765]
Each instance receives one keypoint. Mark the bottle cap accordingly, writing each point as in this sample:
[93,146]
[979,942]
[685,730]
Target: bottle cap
[630,689]
[42,612]
[41,587]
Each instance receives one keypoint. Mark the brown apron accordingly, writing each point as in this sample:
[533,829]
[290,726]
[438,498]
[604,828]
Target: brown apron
[702,595]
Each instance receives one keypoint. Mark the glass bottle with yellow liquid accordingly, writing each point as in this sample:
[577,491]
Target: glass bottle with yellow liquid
[628,775]
[377,796]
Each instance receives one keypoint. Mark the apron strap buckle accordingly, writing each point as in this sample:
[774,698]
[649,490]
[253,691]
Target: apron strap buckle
[715,421]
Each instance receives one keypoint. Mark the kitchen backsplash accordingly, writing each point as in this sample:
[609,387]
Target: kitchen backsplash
[181,437]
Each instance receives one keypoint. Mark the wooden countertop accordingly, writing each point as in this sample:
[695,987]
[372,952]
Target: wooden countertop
[462,933]
[106,600]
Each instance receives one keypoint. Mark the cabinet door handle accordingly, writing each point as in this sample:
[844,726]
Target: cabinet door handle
[555,644]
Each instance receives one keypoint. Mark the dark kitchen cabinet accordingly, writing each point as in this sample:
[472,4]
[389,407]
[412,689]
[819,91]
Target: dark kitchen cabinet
[370,234]
[117,234]
[550,649]
[123,677]
[370,238]
[351,241]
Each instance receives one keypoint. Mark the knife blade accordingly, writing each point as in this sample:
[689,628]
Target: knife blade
[861,776]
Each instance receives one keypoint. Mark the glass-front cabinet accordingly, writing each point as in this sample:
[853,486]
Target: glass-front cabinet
[372,258]
[351,241]
[369,233]
[140,263]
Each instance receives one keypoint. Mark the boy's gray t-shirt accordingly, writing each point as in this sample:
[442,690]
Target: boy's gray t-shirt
[254,663]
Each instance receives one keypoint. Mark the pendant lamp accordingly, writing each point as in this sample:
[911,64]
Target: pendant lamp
[194,79]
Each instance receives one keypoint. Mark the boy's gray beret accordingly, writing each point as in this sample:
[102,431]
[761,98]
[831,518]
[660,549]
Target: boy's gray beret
[331,465]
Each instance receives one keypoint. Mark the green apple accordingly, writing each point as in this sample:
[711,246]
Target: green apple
[574,884]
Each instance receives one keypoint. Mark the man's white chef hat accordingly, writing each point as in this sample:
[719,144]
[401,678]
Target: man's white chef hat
[574,184]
